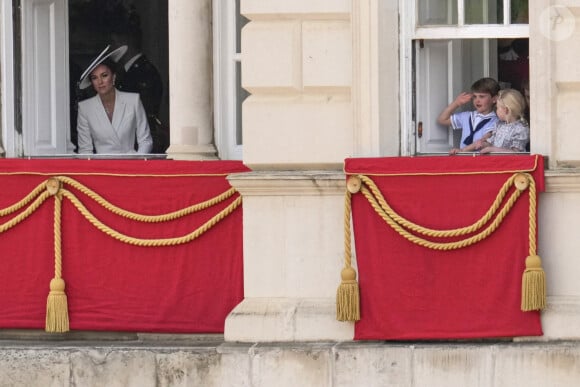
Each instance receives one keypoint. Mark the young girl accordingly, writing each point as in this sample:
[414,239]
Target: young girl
[511,132]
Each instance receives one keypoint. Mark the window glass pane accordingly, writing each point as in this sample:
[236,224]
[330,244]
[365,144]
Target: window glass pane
[437,12]
[519,12]
[483,12]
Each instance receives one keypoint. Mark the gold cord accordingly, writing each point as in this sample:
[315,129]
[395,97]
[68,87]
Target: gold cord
[15,207]
[347,235]
[57,236]
[150,242]
[146,218]
[347,294]
[26,213]
[388,211]
[533,280]
[399,224]
[532,216]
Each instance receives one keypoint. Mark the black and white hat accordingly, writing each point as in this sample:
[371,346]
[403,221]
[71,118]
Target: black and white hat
[114,55]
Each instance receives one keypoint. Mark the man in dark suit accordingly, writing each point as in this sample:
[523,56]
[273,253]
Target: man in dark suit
[138,75]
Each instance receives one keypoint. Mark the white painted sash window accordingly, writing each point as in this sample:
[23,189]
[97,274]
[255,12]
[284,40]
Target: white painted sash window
[228,92]
[42,104]
[446,46]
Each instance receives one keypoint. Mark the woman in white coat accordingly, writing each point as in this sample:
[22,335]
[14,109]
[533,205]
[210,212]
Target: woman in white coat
[112,121]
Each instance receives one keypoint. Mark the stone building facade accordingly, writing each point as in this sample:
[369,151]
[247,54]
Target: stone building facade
[328,80]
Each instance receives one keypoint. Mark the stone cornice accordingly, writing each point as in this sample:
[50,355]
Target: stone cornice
[289,183]
[333,182]
[562,181]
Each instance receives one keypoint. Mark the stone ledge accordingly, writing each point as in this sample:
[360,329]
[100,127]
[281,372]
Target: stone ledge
[291,183]
[320,364]
[561,318]
[333,181]
[38,338]
[286,320]
[191,152]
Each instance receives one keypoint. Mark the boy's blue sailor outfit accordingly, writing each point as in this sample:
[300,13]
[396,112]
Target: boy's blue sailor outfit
[473,125]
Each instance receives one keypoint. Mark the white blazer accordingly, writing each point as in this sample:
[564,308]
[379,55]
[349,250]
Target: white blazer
[129,125]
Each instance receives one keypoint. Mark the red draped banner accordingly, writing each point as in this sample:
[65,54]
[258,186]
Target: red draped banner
[111,284]
[412,292]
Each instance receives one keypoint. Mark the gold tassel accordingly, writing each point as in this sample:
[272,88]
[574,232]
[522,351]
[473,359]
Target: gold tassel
[347,297]
[533,285]
[57,308]
[56,304]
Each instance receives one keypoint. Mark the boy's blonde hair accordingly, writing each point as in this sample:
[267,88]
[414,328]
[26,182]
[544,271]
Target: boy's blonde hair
[514,101]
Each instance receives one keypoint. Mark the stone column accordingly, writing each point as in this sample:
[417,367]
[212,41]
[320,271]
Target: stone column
[293,255]
[298,128]
[190,78]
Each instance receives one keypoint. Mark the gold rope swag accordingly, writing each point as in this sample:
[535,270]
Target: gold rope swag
[533,279]
[57,319]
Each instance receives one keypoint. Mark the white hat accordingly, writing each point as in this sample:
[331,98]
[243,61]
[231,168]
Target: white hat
[115,55]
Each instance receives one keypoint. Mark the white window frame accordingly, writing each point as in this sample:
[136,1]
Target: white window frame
[225,59]
[7,84]
[43,77]
[410,31]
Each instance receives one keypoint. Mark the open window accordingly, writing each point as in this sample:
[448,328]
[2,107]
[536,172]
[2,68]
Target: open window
[45,46]
[449,44]
[143,27]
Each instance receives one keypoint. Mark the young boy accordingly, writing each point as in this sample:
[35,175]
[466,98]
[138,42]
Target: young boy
[473,124]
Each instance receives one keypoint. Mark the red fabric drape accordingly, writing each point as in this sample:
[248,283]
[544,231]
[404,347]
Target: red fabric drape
[412,292]
[111,285]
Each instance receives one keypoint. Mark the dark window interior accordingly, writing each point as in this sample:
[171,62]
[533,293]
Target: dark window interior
[143,26]
[514,66]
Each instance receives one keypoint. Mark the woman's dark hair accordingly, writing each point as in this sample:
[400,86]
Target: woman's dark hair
[112,65]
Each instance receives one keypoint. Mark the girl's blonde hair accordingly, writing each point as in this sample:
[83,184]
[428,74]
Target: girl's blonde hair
[514,101]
